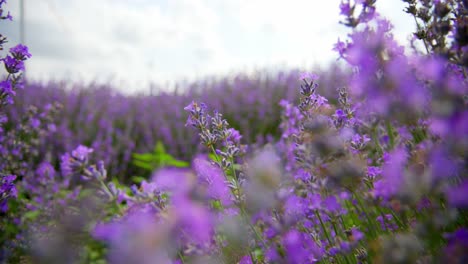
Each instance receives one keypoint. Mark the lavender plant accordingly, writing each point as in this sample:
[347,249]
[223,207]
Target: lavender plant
[375,175]
[116,125]
[14,64]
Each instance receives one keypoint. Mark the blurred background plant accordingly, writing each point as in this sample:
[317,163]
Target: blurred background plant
[117,125]
[364,165]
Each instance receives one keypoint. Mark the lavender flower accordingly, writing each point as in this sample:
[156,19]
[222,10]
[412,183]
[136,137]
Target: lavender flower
[75,165]
[392,175]
[175,181]
[458,196]
[20,52]
[455,251]
[139,237]
[320,191]
[212,177]
[358,142]
[7,189]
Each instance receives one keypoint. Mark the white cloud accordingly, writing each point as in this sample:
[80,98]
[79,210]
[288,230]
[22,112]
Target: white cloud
[162,40]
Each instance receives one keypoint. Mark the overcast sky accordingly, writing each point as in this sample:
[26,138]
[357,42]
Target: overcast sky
[134,42]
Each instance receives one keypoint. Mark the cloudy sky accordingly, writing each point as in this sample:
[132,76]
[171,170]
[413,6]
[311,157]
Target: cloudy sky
[134,42]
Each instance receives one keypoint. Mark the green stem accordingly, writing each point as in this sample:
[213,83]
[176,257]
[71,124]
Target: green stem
[390,133]
[238,198]
[323,227]
[181,257]
[376,139]
[369,220]
[335,228]
[419,28]
[252,258]
[216,156]
[399,223]
[258,236]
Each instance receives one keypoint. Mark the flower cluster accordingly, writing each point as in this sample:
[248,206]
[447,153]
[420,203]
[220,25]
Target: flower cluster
[7,189]
[14,63]
[375,173]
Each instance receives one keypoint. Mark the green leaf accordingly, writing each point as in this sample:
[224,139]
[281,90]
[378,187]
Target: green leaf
[159,148]
[164,157]
[178,163]
[138,179]
[258,253]
[143,165]
[31,215]
[148,157]
[158,159]
[216,204]
[212,157]
[85,192]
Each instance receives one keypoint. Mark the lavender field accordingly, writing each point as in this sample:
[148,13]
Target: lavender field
[116,125]
[364,161]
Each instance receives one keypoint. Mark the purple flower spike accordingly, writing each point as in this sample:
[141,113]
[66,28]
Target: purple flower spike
[213,178]
[81,152]
[20,52]
[308,76]
[458,196]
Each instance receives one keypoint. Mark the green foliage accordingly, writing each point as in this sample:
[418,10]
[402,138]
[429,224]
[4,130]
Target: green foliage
[151,161]
[94,252]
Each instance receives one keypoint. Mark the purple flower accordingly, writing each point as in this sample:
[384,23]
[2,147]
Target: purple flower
[340,47]
[392,174]
[295,251]
[149,188]
[45,173]
[20,52]
[331,204]
[7,190]
[65,164]
[81,153]
[458,196]
[443,166]
[194,222]
[356,235]
[300,248]
[294,206]
[456,250]
[246,260]
[8,16]
[315,201]
[319,100]
[272,255]
[387,223]
[308,76]
[6,88]
[340,114]
[234,136]
[74,166]
[139,237]
[13,65]
[302,175]
[359,142]
[35,123]
[345,8]
[212,177]
[270,233]
[175,181]
[197,114]
[373,172]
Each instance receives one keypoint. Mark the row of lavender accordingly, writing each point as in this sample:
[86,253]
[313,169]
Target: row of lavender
[117,125]
[379,174]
